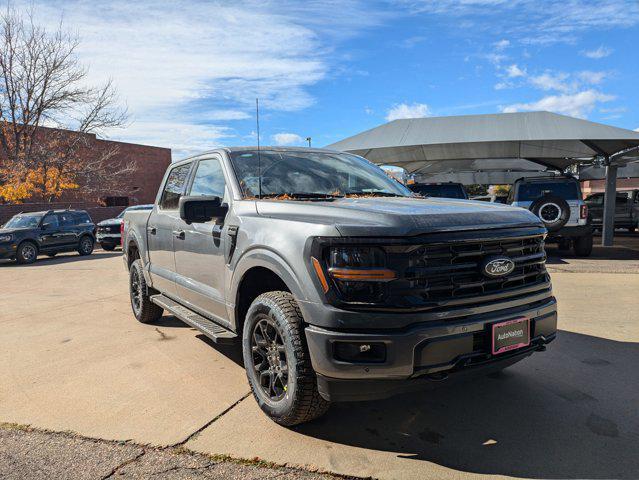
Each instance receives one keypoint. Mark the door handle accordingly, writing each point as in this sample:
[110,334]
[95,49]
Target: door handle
[179,234]
[151,230]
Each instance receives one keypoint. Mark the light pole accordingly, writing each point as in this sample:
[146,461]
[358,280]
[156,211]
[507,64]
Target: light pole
[308,139]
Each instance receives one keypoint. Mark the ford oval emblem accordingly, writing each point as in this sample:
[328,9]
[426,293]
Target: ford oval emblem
[495,267]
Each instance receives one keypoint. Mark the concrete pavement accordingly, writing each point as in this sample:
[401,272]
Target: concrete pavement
[74,359]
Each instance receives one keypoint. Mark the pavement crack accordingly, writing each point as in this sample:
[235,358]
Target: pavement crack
[128,461]
[209,423]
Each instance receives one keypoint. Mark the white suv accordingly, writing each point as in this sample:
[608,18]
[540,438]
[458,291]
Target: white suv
[558,202]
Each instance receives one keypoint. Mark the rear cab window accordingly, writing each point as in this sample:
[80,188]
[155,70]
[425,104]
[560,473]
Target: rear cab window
[529,192]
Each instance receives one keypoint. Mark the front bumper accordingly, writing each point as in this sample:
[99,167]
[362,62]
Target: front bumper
[109,238]
[432,349]
[7,250]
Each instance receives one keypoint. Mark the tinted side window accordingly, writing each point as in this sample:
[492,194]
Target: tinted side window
[532,191]
[82,218]
[52,220]
[174,187]
[66,219]
[209,179]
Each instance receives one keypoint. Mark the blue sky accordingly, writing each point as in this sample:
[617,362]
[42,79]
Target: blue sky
[189,71]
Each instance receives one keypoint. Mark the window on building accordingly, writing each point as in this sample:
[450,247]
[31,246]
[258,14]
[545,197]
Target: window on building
[116,201]
[209,179]
[174,187]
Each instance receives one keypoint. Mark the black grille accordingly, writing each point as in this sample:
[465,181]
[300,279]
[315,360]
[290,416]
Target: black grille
[109,229]
[446,274]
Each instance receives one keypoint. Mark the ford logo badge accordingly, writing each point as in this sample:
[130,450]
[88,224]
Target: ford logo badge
[494,267]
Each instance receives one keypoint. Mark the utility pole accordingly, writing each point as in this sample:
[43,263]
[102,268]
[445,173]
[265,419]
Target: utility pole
[308,139]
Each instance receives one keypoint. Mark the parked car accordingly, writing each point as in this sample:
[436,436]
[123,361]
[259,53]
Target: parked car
[491,198]
[339,283]
[558,202]
[27,235]
[440,190]
[626,209]
[108,231]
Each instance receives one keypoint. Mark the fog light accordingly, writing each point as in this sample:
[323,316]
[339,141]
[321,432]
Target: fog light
[359,352]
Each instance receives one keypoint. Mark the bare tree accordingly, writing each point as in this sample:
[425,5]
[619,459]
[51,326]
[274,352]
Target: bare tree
[49,116]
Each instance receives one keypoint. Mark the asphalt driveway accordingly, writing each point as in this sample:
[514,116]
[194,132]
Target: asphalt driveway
[74,359]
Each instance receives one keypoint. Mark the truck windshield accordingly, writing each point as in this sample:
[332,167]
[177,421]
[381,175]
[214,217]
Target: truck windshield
[445,190]
[300,174]
[532,191]
[24,221]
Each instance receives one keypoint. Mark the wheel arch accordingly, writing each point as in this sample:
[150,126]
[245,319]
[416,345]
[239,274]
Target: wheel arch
[258,272]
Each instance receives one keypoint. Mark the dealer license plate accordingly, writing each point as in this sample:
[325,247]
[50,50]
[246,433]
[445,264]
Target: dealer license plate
[511,335]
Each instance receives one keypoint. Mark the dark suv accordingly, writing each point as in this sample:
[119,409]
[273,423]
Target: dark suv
[27,235]
[440,190]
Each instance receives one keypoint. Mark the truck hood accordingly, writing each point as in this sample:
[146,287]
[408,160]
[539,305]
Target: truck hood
[110,222]
[399,216]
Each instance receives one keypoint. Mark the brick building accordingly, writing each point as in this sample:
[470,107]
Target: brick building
[139,187]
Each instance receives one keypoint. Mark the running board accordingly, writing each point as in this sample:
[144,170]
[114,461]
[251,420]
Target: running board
[215,332]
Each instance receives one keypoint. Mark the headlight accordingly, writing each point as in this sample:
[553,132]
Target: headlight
[359,273]
[6,238]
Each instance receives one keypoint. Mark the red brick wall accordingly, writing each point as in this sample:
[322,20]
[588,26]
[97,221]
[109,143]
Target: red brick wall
[140,187]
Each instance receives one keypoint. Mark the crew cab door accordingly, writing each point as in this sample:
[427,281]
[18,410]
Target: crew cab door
[161,231]
[199,248]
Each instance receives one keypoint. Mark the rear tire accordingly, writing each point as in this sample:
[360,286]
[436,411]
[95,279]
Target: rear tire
[144,310]
[85,245]
[583,246]
[27,253]
[107,246]
[277,362]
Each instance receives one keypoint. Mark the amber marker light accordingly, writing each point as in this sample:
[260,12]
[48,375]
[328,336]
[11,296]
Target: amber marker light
[320,273]
[362,275]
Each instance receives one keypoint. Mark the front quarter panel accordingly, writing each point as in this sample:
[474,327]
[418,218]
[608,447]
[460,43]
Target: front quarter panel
[278,245]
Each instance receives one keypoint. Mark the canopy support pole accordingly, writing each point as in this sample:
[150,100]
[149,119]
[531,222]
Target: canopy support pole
[610,197]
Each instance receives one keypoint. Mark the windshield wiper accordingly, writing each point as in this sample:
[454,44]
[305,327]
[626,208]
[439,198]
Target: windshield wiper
[303,195]
[374,194]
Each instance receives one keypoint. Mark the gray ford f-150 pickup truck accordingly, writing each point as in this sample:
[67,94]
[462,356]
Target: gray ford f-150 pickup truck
[339,283]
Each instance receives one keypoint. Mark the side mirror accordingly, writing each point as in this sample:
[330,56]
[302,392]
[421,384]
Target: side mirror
[202,209]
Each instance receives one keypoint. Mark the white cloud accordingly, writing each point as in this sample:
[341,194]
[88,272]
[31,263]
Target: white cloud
[637,129]
[287,139]
[590,77]
[551,81]
[501,44]
[576,105]
[216,115]
[598,53]
[532,21]
[404,110]
[193,62]
[513,71]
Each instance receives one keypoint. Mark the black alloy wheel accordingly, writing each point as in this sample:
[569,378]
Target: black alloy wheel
[269,358]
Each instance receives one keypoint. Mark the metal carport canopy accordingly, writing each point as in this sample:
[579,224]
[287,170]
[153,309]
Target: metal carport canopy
[468,141]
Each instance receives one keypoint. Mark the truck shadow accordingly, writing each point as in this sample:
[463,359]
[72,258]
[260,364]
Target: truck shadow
[572,412]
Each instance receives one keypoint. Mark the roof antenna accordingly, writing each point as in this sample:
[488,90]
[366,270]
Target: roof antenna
[259,157]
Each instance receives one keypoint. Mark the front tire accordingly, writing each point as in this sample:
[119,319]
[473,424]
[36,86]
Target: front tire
[583,246]
[27,253]
[85,245]
[277,362]
[109,247]
[144,310]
